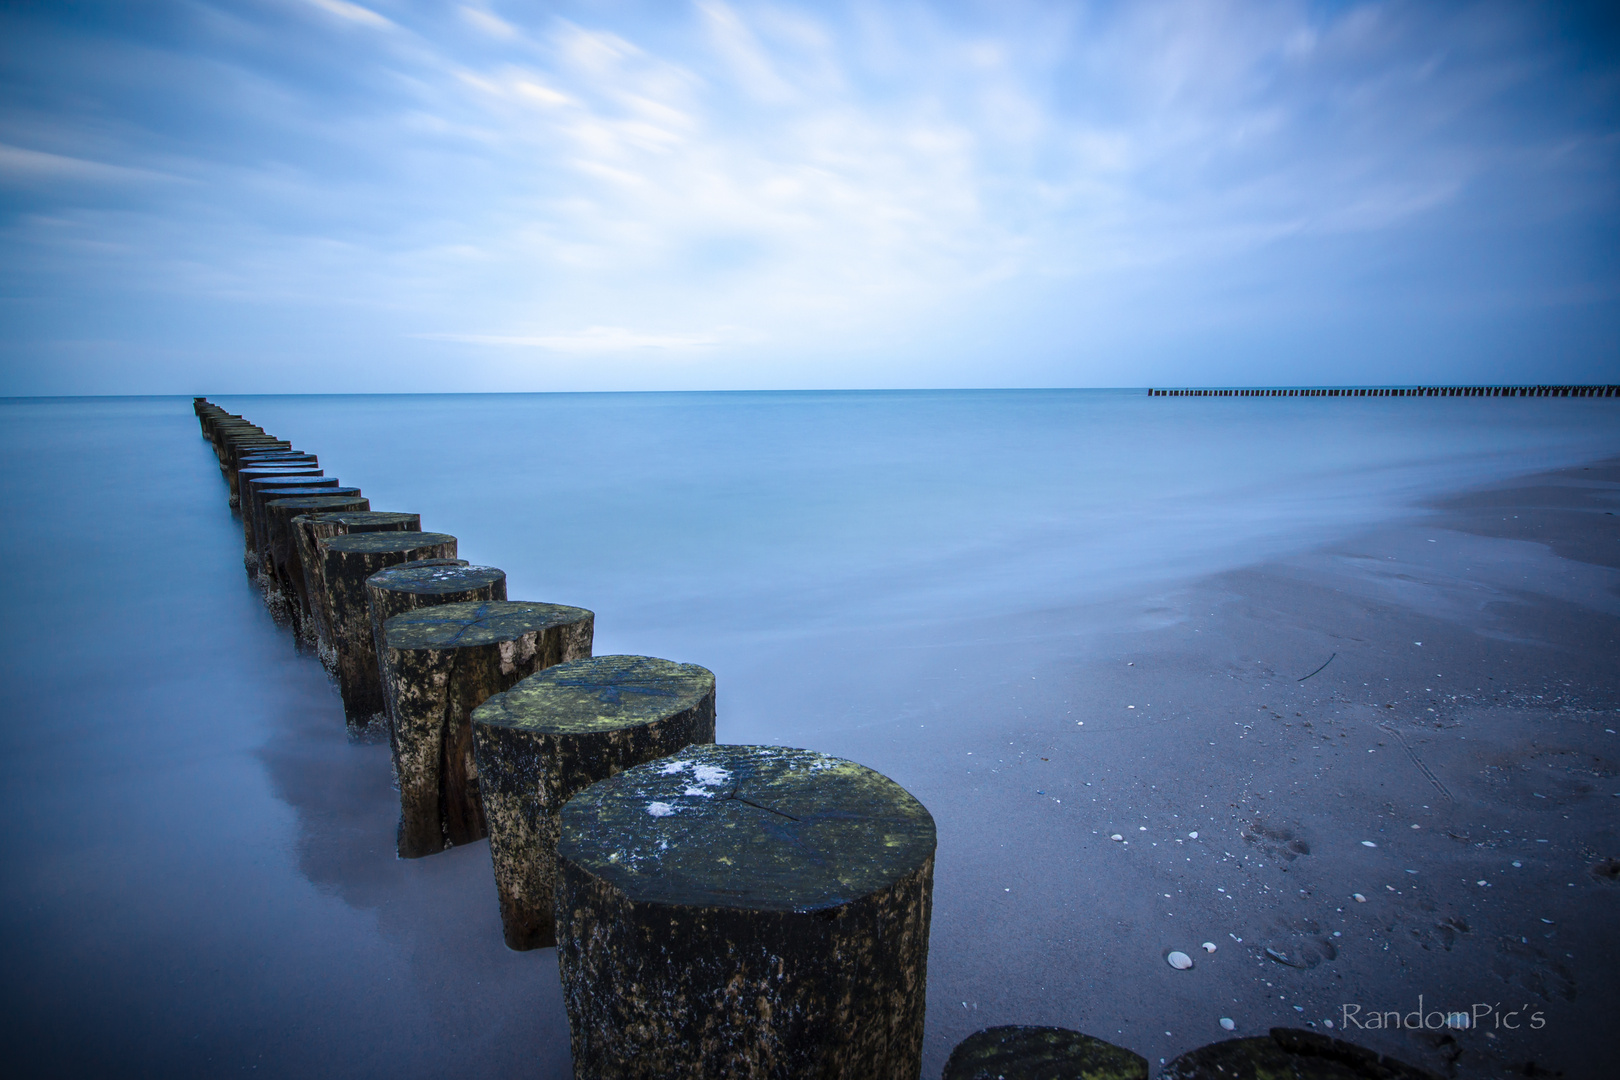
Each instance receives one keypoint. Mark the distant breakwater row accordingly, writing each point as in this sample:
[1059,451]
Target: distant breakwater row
[717,910]
[1585,391]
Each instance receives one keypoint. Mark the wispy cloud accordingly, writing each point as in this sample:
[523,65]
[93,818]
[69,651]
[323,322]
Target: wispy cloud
[1026,192]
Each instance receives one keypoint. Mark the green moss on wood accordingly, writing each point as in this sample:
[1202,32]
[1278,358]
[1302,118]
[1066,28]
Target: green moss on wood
[440,664]
[556,733]
[740,911]
[763,828]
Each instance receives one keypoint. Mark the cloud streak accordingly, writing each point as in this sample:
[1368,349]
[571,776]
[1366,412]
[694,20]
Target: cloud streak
[883,193]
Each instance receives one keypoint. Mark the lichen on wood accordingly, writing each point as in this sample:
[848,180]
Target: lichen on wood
[440,663]
[745,911]
[556,733]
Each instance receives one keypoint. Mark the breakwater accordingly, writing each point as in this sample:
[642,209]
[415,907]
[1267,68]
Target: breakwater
[714,834]
[1607,390]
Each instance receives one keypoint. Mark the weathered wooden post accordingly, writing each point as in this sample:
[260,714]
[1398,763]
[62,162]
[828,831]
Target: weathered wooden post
[1291,1053]
[292,488]
[346,562]
[269,459]
[1041,1053]
[745,911]
[409,586]
[308,531]
[284,558]
[440,664]
[555,734]
[245,480]
[252,501]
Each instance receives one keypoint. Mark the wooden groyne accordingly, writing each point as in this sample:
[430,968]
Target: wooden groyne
[718,911]
[1607,390]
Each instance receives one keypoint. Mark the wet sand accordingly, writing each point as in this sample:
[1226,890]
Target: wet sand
[1465,726]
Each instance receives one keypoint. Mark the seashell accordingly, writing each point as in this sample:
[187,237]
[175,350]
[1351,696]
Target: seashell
[1209,946]
[1359,898]
[1116,837]
[1179,960]
[1226,1022]
[1368,843]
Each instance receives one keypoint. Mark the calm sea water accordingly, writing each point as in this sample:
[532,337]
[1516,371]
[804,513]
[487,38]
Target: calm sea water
[200,878]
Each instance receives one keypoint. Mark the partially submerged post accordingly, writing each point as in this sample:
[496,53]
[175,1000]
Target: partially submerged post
[284,558]
[1291,1053]
[745,911]
[261,489]
[308,531]
[555,734]
[245,481]
[440,664]
[346,562]
[1041,1053]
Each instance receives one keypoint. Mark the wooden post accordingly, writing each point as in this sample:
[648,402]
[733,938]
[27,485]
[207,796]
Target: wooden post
[308,531]
[288,574]
[245,481]
[1041,1053]
[270,459]
[555,734]
[745,911]
[1291,1053]
[409,586]
[440,664]
[295,489]
[346,562]
[252,504]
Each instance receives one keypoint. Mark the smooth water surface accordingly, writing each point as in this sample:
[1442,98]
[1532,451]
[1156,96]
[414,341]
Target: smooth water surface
[201,877]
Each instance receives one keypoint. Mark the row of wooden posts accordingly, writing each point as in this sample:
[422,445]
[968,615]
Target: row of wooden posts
[718,910]
[1590,390]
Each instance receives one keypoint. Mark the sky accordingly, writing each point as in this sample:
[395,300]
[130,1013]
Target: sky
[304,196]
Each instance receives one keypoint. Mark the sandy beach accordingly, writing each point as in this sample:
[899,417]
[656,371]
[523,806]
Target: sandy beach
[1455,765]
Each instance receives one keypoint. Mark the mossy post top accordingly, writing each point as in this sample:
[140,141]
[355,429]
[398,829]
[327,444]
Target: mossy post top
[382,543]
[472,622]
[312,502]
[435,580]
[603,693]
[758,828]
[352,518]
[1016,1052]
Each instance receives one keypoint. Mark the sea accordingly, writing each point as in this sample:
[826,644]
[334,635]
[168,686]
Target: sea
[201,878]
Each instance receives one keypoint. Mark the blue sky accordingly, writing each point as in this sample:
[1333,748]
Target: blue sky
[326,195]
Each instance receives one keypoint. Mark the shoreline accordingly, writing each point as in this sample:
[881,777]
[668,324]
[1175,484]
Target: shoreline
[1488,737]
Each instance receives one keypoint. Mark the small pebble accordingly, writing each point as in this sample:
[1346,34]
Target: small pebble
[1226,1022]
[1516,862]
[1116,837]
[1209,946]
[1179,960]
[1192,836]
[1359,898]
[1368,843]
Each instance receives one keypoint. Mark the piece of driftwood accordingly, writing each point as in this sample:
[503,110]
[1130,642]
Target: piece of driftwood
[1289,1054]
[1015,1052]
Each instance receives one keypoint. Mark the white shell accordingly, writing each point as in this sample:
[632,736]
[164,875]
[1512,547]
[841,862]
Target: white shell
[1116,837]
[1368,843]
[1179,960]
[1359,898]
[1209,946]
[1226,1022]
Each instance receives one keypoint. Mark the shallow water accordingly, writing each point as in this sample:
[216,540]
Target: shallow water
[201,876]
